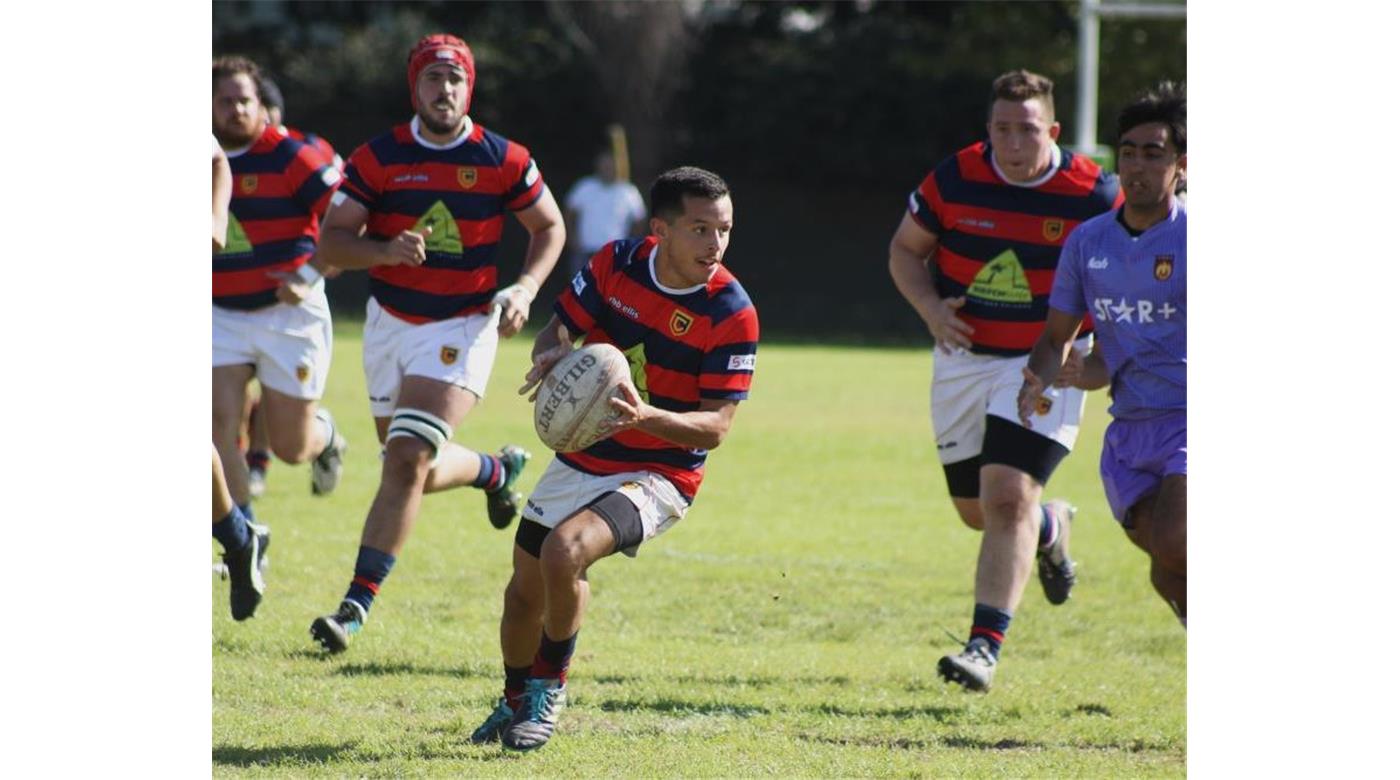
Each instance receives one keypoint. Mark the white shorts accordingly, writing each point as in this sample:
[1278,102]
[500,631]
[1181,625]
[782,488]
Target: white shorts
[968,387]
[458,351]
[289,347]
[563,490]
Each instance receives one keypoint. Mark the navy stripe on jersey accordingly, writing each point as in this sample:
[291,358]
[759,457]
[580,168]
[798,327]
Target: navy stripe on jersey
[257,209]
[270,253]
[1035,311]
[463,205]
[670,456]
[388,150]
[1031,256]
[1024,200]
[274,160]
[437,307]
[248,302]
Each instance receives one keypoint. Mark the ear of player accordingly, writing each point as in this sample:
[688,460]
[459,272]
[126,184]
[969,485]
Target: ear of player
[572,410]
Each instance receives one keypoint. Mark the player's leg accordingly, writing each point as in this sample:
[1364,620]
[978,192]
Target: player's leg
[229,385]
[295,434]
[522,622]
[293,365]
[1143,467]
[244,543]
[957,406]
[259,452]
[1167,543]
[427,413]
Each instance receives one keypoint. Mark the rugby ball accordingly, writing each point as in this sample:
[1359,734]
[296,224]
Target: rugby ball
[572,410]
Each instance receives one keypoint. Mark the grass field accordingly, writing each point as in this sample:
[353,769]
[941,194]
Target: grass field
[789,626]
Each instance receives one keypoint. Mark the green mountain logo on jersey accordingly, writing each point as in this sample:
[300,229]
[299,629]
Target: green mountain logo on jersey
[235,240]
[1003,280]
[637,359]
[446,237]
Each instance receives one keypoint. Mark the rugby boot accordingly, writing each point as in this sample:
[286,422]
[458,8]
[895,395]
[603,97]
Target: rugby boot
[495,724]
[972,668]
[1055,567]
[503,504]
[244,568]
[326,467]
[533,723]
[334,631]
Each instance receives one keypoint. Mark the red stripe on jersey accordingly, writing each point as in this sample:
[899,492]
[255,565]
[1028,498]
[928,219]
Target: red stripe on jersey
[687,482]
[446,177]
[656,311]
[253,280]
[264,231]
[672,384]
[420,320]
[1077,180]
[1008,225]
[438,281]
[731,382]
[576,312]
[1003,335]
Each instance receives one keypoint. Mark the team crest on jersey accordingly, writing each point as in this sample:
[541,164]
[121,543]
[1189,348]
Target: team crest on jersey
[247,184]
[680,323]
[303,373]
[1042,405]
[448,355]
[466,176]
[1162,269]
[1053,229]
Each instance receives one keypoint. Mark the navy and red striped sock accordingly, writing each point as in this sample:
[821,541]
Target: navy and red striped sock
[991,624]
[552,659]
[257,459]
[371,567]
[492,474]
[515,684]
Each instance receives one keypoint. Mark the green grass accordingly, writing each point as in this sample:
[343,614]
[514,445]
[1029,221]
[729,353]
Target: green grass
[789,626]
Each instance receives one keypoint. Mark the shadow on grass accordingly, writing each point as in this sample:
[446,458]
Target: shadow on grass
[907,743]
[381,669]
[289,754]
[678,707]
[729,681]
[940,714]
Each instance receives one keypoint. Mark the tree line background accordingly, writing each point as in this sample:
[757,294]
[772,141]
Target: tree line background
[822,116]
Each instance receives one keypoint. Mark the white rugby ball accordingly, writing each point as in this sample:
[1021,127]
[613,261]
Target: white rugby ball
[572,410]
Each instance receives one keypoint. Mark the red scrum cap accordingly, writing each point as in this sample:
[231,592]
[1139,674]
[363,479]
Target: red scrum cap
[441,47]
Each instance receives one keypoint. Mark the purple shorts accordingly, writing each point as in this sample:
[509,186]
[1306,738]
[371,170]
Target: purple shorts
[1137,454]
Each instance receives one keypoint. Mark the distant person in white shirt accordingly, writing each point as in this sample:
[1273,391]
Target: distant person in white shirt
[601,208]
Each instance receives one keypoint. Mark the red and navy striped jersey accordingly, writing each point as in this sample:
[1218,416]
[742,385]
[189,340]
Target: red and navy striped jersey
[280,190]
[999,243]
[683,346]
[462,192]
[318,143]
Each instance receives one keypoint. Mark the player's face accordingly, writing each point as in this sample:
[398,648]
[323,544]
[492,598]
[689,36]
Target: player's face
[238,116]
[442,98]
[1022,137]
[693,244]
[1149,165]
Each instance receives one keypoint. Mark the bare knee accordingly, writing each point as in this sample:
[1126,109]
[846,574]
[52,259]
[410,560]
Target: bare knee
[1007,502]
[969,511]
[563,556]
[406,463]
[290,446]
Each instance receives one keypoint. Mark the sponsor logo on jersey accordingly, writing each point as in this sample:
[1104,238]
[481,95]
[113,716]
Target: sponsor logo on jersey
[1002,280]
[1098,263]
[680,323]
[1163,267]
[446,237]
[247,184]
[579,283]
[466,176]
[1053,229]
[448,355]
[741,362]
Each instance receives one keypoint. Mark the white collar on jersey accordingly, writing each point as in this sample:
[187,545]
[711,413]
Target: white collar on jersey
[1054,166]
[453,144]
[651,266]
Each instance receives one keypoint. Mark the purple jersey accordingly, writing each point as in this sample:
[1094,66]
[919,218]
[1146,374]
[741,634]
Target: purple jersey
[1135,288]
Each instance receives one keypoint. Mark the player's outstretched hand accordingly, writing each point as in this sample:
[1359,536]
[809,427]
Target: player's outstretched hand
[631,409]
[1071,370]
[541,364]
[1029,397]
[515,309]
[945,325]
[292,290]
[408,248]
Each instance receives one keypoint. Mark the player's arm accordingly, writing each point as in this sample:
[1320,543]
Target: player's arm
[223,191]
[344,245]
[1049,353]
[1093,371]
[547,236]
[704,428]
[910,250]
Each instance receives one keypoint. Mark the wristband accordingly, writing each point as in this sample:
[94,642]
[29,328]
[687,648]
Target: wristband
[307,274]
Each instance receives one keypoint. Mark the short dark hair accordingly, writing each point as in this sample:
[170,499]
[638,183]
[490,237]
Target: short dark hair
[228,67]
[670,188]
[1165,103]
[270,95]
[1021,85]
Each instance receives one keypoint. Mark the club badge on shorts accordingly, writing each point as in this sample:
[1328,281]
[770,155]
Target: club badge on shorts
[448,355]
[466,176]
[303,373]
[680,323]
[1053,229]
[1162,269]
[247,184]
[1043,405]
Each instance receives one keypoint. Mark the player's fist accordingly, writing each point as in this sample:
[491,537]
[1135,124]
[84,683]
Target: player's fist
[1028,399]
[408,248]
[945,326]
